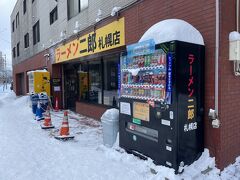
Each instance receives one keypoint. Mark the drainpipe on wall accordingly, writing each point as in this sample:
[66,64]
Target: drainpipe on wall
[213,113]
[236,63]
[237,14]
[217,57]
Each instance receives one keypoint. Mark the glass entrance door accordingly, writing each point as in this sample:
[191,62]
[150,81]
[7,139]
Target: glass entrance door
[70,88]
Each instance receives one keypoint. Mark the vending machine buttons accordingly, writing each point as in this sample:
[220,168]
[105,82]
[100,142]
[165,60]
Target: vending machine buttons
[169,141]
[168,148]
[171,115]
[158,114]
[165,122]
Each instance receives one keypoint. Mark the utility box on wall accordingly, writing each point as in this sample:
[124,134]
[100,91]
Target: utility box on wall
[39,81]
[161,102]
[234,50]
[234,46]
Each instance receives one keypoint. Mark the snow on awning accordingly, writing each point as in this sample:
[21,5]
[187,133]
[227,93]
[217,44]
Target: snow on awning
[173,29]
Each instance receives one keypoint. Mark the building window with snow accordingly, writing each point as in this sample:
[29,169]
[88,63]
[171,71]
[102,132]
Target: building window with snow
[76,6]
[18,46]
[53,15]
[26,40]
[17,20]
[83,4]
[24,6]
[13,26]
[14,52]
[36,33]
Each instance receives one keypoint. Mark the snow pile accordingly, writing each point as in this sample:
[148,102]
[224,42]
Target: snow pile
[232,171]
[234,36]
[173,29]
[111,115]
[30,72]
[110,126]
[203,168]
[5,88]
[28,152]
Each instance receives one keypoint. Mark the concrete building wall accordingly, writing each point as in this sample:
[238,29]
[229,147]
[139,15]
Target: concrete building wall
[50,34]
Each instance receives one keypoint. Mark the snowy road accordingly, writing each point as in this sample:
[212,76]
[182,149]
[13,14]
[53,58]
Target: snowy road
[29,153]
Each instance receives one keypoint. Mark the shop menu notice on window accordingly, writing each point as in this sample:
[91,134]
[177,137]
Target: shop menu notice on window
[143,76]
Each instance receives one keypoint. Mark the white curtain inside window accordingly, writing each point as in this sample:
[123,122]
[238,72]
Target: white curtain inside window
[73,8]
[84,4]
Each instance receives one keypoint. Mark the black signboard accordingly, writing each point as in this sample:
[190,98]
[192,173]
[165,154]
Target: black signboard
[56,83]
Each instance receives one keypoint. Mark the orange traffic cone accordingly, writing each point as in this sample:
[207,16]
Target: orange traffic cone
[47,120]
[56,108]
[64,130]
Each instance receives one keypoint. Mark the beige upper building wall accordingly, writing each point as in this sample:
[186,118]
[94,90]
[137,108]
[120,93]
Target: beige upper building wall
[39,10]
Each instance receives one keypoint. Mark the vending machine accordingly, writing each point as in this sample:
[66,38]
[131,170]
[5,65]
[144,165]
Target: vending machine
[161,102]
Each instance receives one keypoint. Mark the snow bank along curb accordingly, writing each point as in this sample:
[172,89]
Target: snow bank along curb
[44,152]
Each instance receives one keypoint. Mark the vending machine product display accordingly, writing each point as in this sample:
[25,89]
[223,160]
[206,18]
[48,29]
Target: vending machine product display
[161,101]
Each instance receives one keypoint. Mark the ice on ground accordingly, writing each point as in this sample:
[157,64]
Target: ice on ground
[27,152]
[173,29]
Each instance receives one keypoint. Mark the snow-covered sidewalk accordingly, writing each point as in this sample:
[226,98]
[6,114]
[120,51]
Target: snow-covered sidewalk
[29,153]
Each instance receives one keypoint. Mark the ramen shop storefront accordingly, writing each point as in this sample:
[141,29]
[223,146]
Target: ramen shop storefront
[91,69]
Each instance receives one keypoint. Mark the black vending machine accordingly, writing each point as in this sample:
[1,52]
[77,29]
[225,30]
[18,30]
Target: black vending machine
[161,102]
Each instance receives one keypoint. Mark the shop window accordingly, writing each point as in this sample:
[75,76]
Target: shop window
[83,82]
[24,6]
[53,15]
[98,81]
[36,33]
[18,49]
[95,82]
[26,40]
[110,93]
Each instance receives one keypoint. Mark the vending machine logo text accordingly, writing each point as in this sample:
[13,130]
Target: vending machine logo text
[191,101]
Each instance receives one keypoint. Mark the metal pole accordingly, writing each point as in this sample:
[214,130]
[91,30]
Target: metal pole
[216,56]
[237,15]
